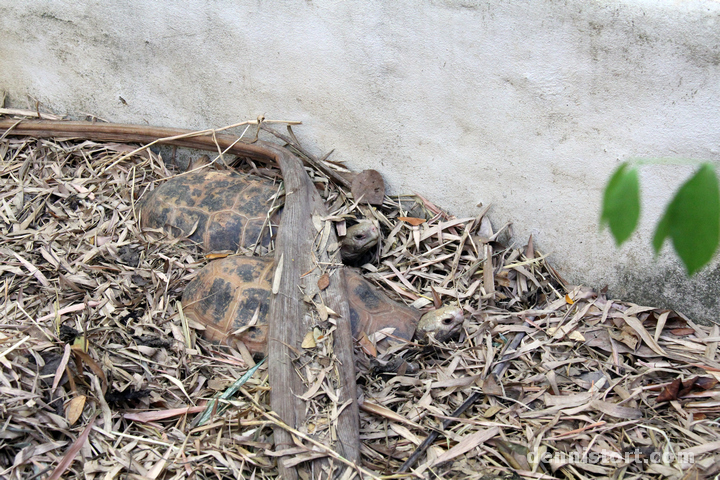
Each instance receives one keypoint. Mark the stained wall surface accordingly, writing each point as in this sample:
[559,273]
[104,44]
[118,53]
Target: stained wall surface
[528,106]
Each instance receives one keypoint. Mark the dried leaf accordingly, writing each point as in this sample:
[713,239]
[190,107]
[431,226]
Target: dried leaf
[33,270]
[466,444]
[69,456]
[616,411]
[367,346]
[61,368]
[278,276]
[437,302]
[577,336]
[159,467]
[516,455]
[74,409]
[323,312]
[680,332]
[323,281]
[678,388]
[413,221]
[636,325]
[216,255]
[316,386]
[309,340]
[490,386]
[178,384]
[87,360]
[386,413]
[154,416]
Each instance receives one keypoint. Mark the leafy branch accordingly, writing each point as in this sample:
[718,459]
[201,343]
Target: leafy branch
[691,220]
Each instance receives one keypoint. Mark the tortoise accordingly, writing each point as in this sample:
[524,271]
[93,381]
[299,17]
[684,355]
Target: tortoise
[223,210]
[230,298]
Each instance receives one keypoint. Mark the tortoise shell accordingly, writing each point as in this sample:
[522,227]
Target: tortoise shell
[221,210]
[230,298]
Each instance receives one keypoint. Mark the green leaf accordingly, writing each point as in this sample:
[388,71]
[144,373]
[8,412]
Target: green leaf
[692,220]
[621,203]
[210,409]
[662,231]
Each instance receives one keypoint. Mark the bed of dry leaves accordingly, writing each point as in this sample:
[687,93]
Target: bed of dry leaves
[102,377]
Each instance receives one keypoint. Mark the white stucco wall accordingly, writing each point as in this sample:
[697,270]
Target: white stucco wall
[525,105]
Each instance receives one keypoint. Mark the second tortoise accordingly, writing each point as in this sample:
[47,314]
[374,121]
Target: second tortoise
[230,298]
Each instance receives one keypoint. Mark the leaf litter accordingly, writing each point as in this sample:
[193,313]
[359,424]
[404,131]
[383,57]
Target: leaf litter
[98,361]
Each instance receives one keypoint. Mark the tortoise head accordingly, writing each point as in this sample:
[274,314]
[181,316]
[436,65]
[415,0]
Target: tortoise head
[359,239]
[441,324]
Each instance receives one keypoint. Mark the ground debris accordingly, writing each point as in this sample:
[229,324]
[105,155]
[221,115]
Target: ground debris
[93,342]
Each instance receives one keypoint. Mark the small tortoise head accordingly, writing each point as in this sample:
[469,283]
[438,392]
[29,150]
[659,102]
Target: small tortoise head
[359,239]
[441,324]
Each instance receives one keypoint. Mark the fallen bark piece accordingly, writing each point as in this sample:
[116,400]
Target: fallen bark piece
[368,186]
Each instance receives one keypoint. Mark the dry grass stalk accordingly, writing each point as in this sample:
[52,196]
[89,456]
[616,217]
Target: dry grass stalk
[592,380]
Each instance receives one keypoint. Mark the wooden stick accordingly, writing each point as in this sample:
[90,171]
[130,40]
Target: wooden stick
[295,243]
[114,132]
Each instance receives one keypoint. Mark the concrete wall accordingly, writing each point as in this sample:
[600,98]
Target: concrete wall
[525,105]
